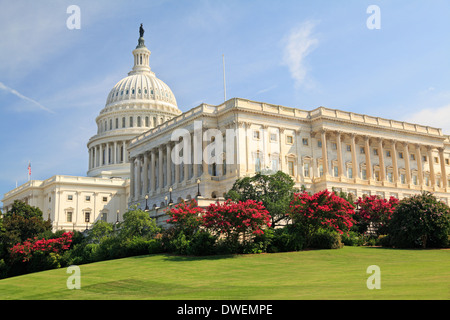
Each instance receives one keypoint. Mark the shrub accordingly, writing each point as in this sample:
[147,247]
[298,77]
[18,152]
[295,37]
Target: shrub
[185,217]
[322,210]
[202,244]
[420,221]
[376,210]
[288,238]
[326,239]
[237,219]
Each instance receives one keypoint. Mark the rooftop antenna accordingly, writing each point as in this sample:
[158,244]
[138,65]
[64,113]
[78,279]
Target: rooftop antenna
[224,83]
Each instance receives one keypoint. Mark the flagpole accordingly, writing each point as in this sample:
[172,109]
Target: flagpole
[224,83]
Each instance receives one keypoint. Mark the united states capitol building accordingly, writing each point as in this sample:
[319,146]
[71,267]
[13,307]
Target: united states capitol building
[148,153]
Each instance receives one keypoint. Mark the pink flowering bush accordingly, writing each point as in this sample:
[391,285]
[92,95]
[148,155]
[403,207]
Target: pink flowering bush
[322,210]
[376,210]
[26,251]
[233,219]
[185,217]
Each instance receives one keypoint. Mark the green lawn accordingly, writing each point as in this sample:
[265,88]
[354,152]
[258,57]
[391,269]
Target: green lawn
[317,274]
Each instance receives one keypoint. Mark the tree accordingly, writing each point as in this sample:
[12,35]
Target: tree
[20,208]
[235,219]
[185,217]
[137,223]
[322,210]
[376,211]
[420,221]
[275,191]
[20,223]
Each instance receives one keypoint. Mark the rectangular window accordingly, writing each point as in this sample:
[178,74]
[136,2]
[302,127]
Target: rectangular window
[257,164]
[274,165]
[436,160]
[306,170]
[375,152]
[289,139]
[403,178]
[319,143]
[363,174]
[412,157]
[291,167]
[414,179]
[88,198]
[349,148]
[70,197]
[87,217]
[334,146]
[69,216]
[390,179]
[350,173]
[105,199]
[400,155]
[256,134]
[320,170]
[362,150]
[305,141]
[388,153]
[273,137]
[424,158]
[336,171]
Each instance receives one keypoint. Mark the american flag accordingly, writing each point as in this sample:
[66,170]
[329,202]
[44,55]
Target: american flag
[29,168]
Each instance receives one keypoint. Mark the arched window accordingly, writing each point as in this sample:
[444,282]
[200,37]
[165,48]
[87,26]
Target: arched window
[131,121]
[139,124]
[123,122]
[147,121]
[117,123]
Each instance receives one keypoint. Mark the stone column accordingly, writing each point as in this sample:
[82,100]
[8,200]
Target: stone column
[339,154]
[204,163]
[282,142]
[152,170]
[324,153]
[145,174]
[101,155]
[419,164]
[354,160]
[169,164]
[443,171]
[124,155]
[394,161]
[160,168]
[430,161]
[139,177]
[132,178]
[407,164]
[115,153]
[368,160]
[381,160]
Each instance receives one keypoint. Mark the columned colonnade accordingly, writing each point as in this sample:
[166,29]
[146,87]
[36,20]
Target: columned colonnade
[107,153]
[377,150]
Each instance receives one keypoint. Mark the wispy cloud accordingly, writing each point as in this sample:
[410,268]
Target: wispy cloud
[298,44]
[21,96]
[433,117]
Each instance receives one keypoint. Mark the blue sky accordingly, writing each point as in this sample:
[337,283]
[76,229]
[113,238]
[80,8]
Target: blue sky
[304,54]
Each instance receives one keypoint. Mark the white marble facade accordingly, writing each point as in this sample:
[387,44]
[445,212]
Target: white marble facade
[322,148]
[145,147]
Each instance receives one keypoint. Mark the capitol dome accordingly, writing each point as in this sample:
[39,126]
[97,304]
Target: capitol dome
[136,104]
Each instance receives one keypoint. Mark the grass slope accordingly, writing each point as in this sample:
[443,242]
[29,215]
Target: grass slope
[318,274]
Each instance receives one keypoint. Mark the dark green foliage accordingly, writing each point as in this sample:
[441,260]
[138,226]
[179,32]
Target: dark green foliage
[326,239]
[421,221]
[275,191]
